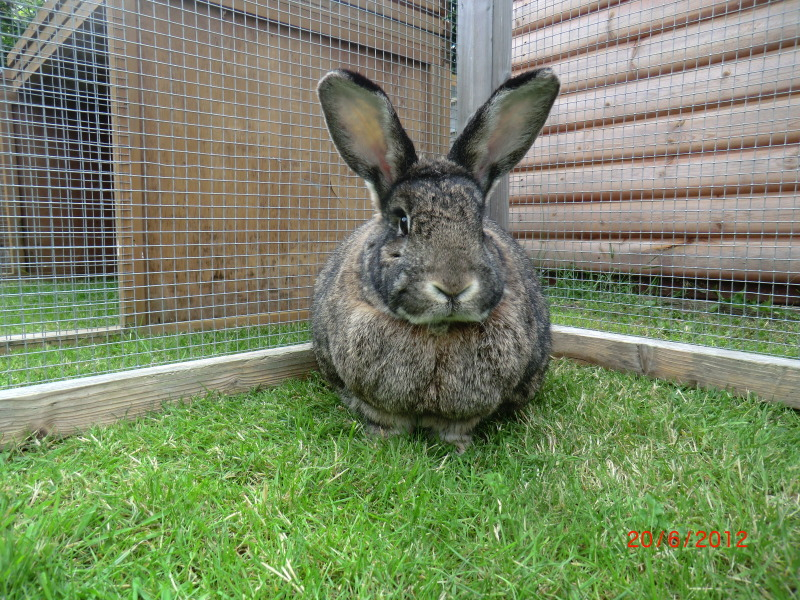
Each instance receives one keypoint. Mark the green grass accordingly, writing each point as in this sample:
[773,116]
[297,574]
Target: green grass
[616,304]
[129,350]
[279,494]
[34,306]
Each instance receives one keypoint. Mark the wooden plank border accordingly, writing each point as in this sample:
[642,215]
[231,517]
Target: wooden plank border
[771,378]
[67,407]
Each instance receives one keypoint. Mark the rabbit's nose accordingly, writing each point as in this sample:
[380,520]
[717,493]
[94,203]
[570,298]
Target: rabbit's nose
[456,290]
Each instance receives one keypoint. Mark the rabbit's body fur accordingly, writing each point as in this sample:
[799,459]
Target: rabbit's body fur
[398,374]
[429,315]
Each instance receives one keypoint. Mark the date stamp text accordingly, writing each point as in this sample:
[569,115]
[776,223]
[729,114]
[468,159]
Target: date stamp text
[690,539]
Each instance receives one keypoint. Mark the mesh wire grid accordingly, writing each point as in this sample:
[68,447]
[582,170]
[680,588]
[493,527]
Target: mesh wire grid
[661,199]
[170,191]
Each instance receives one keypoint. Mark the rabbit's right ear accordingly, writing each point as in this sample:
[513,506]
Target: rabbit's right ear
[365,129]
[500,132]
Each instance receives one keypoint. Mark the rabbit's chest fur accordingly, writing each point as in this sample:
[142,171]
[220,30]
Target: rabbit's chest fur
[457,371]
[410,369]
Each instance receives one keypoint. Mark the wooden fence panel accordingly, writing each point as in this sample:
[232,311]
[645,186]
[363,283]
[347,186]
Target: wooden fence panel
[765,260]
[758,77]
[675,25]
[674,147]
[750,124]
[746,170]
[769,215]
[226,188]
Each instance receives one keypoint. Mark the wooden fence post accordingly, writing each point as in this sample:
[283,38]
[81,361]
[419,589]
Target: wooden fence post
[10,237]
[483,63]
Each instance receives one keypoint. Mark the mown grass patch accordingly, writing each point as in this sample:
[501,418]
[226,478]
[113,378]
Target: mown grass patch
[279,494]
[30,306]
[127,349]
[619,304]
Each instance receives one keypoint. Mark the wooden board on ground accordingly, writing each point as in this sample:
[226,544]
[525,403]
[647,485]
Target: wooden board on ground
[67,407]
[770,378]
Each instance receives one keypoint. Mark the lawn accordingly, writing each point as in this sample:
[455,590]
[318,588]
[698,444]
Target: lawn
[599,490]
[621,305]
[30,307]
[127,350]
[279,494]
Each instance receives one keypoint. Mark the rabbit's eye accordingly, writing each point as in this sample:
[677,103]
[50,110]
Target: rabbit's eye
[402,224]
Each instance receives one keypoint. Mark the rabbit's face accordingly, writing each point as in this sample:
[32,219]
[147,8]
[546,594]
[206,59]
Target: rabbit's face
[436,265]
[433,263]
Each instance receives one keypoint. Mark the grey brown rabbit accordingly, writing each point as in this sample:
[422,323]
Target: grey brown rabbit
[430,315]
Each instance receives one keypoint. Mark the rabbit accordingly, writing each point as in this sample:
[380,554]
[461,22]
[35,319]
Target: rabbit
[430,315]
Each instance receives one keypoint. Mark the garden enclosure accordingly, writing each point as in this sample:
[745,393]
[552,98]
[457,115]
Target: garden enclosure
[169,191]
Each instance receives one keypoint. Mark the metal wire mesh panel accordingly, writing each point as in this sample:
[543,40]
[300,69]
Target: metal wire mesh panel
[169,188]
[662,197]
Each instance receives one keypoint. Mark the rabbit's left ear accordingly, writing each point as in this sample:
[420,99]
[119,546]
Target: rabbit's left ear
[365,129]
[501,131]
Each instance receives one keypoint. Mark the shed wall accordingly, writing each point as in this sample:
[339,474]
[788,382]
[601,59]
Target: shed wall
[674,148]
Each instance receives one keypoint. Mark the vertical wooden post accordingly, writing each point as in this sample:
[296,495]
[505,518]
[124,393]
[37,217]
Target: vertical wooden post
[10,237]
[124,41]
[483,63]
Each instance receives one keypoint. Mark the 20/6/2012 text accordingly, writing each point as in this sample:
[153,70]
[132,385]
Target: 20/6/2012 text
[690,539]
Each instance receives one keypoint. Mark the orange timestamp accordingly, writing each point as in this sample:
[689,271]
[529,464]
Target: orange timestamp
[690,539]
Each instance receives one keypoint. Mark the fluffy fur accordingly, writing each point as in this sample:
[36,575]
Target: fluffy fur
[429,315]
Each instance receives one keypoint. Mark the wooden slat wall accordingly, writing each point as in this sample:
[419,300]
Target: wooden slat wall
[674,148]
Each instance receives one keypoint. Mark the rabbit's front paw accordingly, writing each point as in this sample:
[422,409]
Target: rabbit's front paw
[383,432]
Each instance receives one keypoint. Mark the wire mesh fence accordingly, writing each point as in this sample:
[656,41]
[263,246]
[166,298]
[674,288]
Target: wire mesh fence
[662,198]
[169,191]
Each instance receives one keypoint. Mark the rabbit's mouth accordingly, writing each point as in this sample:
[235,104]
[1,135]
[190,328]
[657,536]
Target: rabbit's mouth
[433,302]
[444,315]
